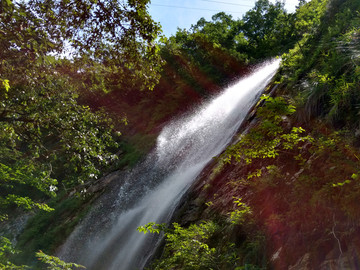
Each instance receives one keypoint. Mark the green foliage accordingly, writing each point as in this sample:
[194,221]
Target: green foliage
[5,84]
[257,173]
[241,213]
[318,195]
[202,59]
[309,15]
[47,230]
[48,135]
[269,29]
[341,184]
[50,138]
[92,31]
[133,149]
[254,251]
[25,203]
[210,245]
[42,118]
[190,248]
[269,137]
[6,250]
[275,109]
[152,227]
[216,51]
[54,263]
[326,62]
[308,18]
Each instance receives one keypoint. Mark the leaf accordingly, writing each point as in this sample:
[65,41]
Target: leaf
[6,84]
[341,184]
[54,263]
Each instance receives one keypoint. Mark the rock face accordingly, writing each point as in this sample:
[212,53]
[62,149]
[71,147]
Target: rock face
[334,260]
[103,182]
[301,207]
[13,227]
[303,263]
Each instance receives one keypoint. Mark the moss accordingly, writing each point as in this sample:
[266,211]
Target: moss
[133,149]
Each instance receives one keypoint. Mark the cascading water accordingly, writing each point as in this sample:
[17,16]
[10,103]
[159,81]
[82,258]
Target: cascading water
[108,238]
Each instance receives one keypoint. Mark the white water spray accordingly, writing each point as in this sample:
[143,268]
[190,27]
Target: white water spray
[108,238]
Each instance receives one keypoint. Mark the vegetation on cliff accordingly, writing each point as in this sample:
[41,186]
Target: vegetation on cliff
[285,195]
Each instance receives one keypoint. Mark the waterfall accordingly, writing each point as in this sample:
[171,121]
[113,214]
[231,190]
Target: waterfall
[107,238]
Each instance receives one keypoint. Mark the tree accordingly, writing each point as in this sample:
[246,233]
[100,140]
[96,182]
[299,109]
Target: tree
[41,118]
[308,16]
[47,136]
[268,29]
[220,30]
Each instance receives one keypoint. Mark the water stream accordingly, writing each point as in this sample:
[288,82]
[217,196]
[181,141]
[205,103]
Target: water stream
[107,238]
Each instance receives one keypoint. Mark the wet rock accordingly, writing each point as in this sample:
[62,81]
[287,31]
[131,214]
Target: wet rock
[103,182]
[302,264]
[345,261]
[12,228]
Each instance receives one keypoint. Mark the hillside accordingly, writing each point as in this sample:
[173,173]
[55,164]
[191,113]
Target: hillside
[286,195]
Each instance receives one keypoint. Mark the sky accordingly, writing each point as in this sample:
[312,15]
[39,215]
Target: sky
[183,13]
